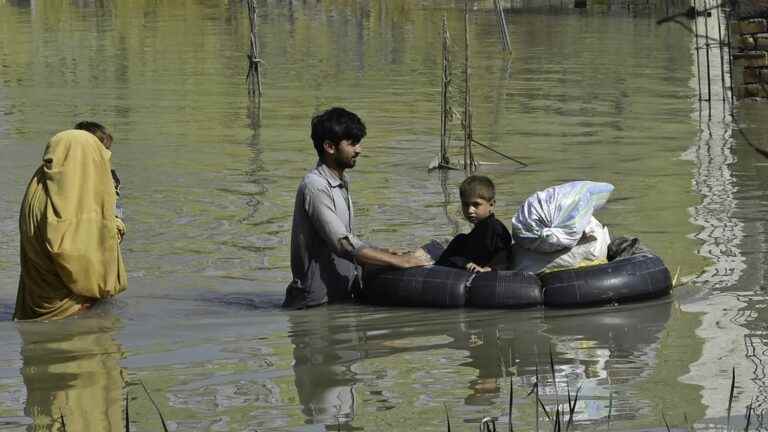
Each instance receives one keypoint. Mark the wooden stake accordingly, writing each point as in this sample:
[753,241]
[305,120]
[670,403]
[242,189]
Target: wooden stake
[730,55]
[445,109]
[722,59]
[254,56]
[706,52]
[696,46]
[469,160]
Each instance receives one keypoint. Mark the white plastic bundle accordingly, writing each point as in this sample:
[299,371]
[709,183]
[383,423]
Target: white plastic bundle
[555,218]
[591,249]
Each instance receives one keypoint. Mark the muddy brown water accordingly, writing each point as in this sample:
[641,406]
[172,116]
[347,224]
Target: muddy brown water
[208,192]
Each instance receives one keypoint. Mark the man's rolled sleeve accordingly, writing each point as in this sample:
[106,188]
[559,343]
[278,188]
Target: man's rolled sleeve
[351,245]
[320,209]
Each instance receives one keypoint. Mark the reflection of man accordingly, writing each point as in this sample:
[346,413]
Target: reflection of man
[324,351]
[72,374]
[324,252]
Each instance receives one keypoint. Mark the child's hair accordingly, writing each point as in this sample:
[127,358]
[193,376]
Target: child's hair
[98,130]
[335,125]
[477,186]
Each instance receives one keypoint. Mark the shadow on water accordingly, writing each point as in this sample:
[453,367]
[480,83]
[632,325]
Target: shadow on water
[333,344]
[246,301]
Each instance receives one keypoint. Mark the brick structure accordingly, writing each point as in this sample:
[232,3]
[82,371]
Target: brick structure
[751,55]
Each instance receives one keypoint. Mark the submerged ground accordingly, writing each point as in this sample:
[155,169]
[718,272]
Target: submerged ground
[208,191]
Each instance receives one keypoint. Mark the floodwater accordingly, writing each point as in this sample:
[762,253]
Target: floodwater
[209,180]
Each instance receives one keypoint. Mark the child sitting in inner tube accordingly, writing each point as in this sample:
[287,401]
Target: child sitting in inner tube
[487,247]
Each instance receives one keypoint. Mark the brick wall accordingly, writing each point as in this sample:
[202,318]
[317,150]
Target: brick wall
[752,57]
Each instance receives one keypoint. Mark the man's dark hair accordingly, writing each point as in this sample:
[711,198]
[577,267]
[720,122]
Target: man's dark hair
[477,186]
[98,130]
[336,125]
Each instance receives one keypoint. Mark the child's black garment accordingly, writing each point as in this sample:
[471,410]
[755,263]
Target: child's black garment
[487,245]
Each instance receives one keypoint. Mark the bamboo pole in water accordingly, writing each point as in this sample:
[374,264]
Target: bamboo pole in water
[469,160]
[254,56]
[706,47]
[444,160]
[697,47]
[502,26]
[722,61]
[730,55]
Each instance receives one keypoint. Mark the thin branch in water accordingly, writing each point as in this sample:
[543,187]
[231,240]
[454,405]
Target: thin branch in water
[447,419]
[730,398]
[665,420]
[610,407]
[511,400]
[502,26]
[691,31]
[487,147]
[127,416]
[63,423]
[154,404]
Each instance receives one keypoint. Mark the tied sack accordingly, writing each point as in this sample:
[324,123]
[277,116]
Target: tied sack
[555,218]
[591,249]
[554,228]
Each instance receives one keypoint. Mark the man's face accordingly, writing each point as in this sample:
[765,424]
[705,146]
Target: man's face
[476,209]
[346,153]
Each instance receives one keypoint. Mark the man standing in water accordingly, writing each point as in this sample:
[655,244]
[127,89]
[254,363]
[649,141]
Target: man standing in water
[324,251]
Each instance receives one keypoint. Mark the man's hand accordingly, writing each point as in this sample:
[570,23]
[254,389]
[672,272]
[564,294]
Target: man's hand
[414,260]
[374,256]
[474,268]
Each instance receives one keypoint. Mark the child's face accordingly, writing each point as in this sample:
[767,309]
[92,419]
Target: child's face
[476,209]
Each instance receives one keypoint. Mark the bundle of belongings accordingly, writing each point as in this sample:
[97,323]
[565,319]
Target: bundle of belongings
[555,228]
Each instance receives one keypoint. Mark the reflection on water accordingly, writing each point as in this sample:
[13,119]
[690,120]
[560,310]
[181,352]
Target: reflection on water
[350,363]
[725,299]
[72,375]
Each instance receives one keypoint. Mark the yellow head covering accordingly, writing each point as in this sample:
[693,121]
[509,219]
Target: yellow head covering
[70,251]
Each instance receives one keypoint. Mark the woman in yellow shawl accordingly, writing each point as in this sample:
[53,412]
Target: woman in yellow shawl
[70,237]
